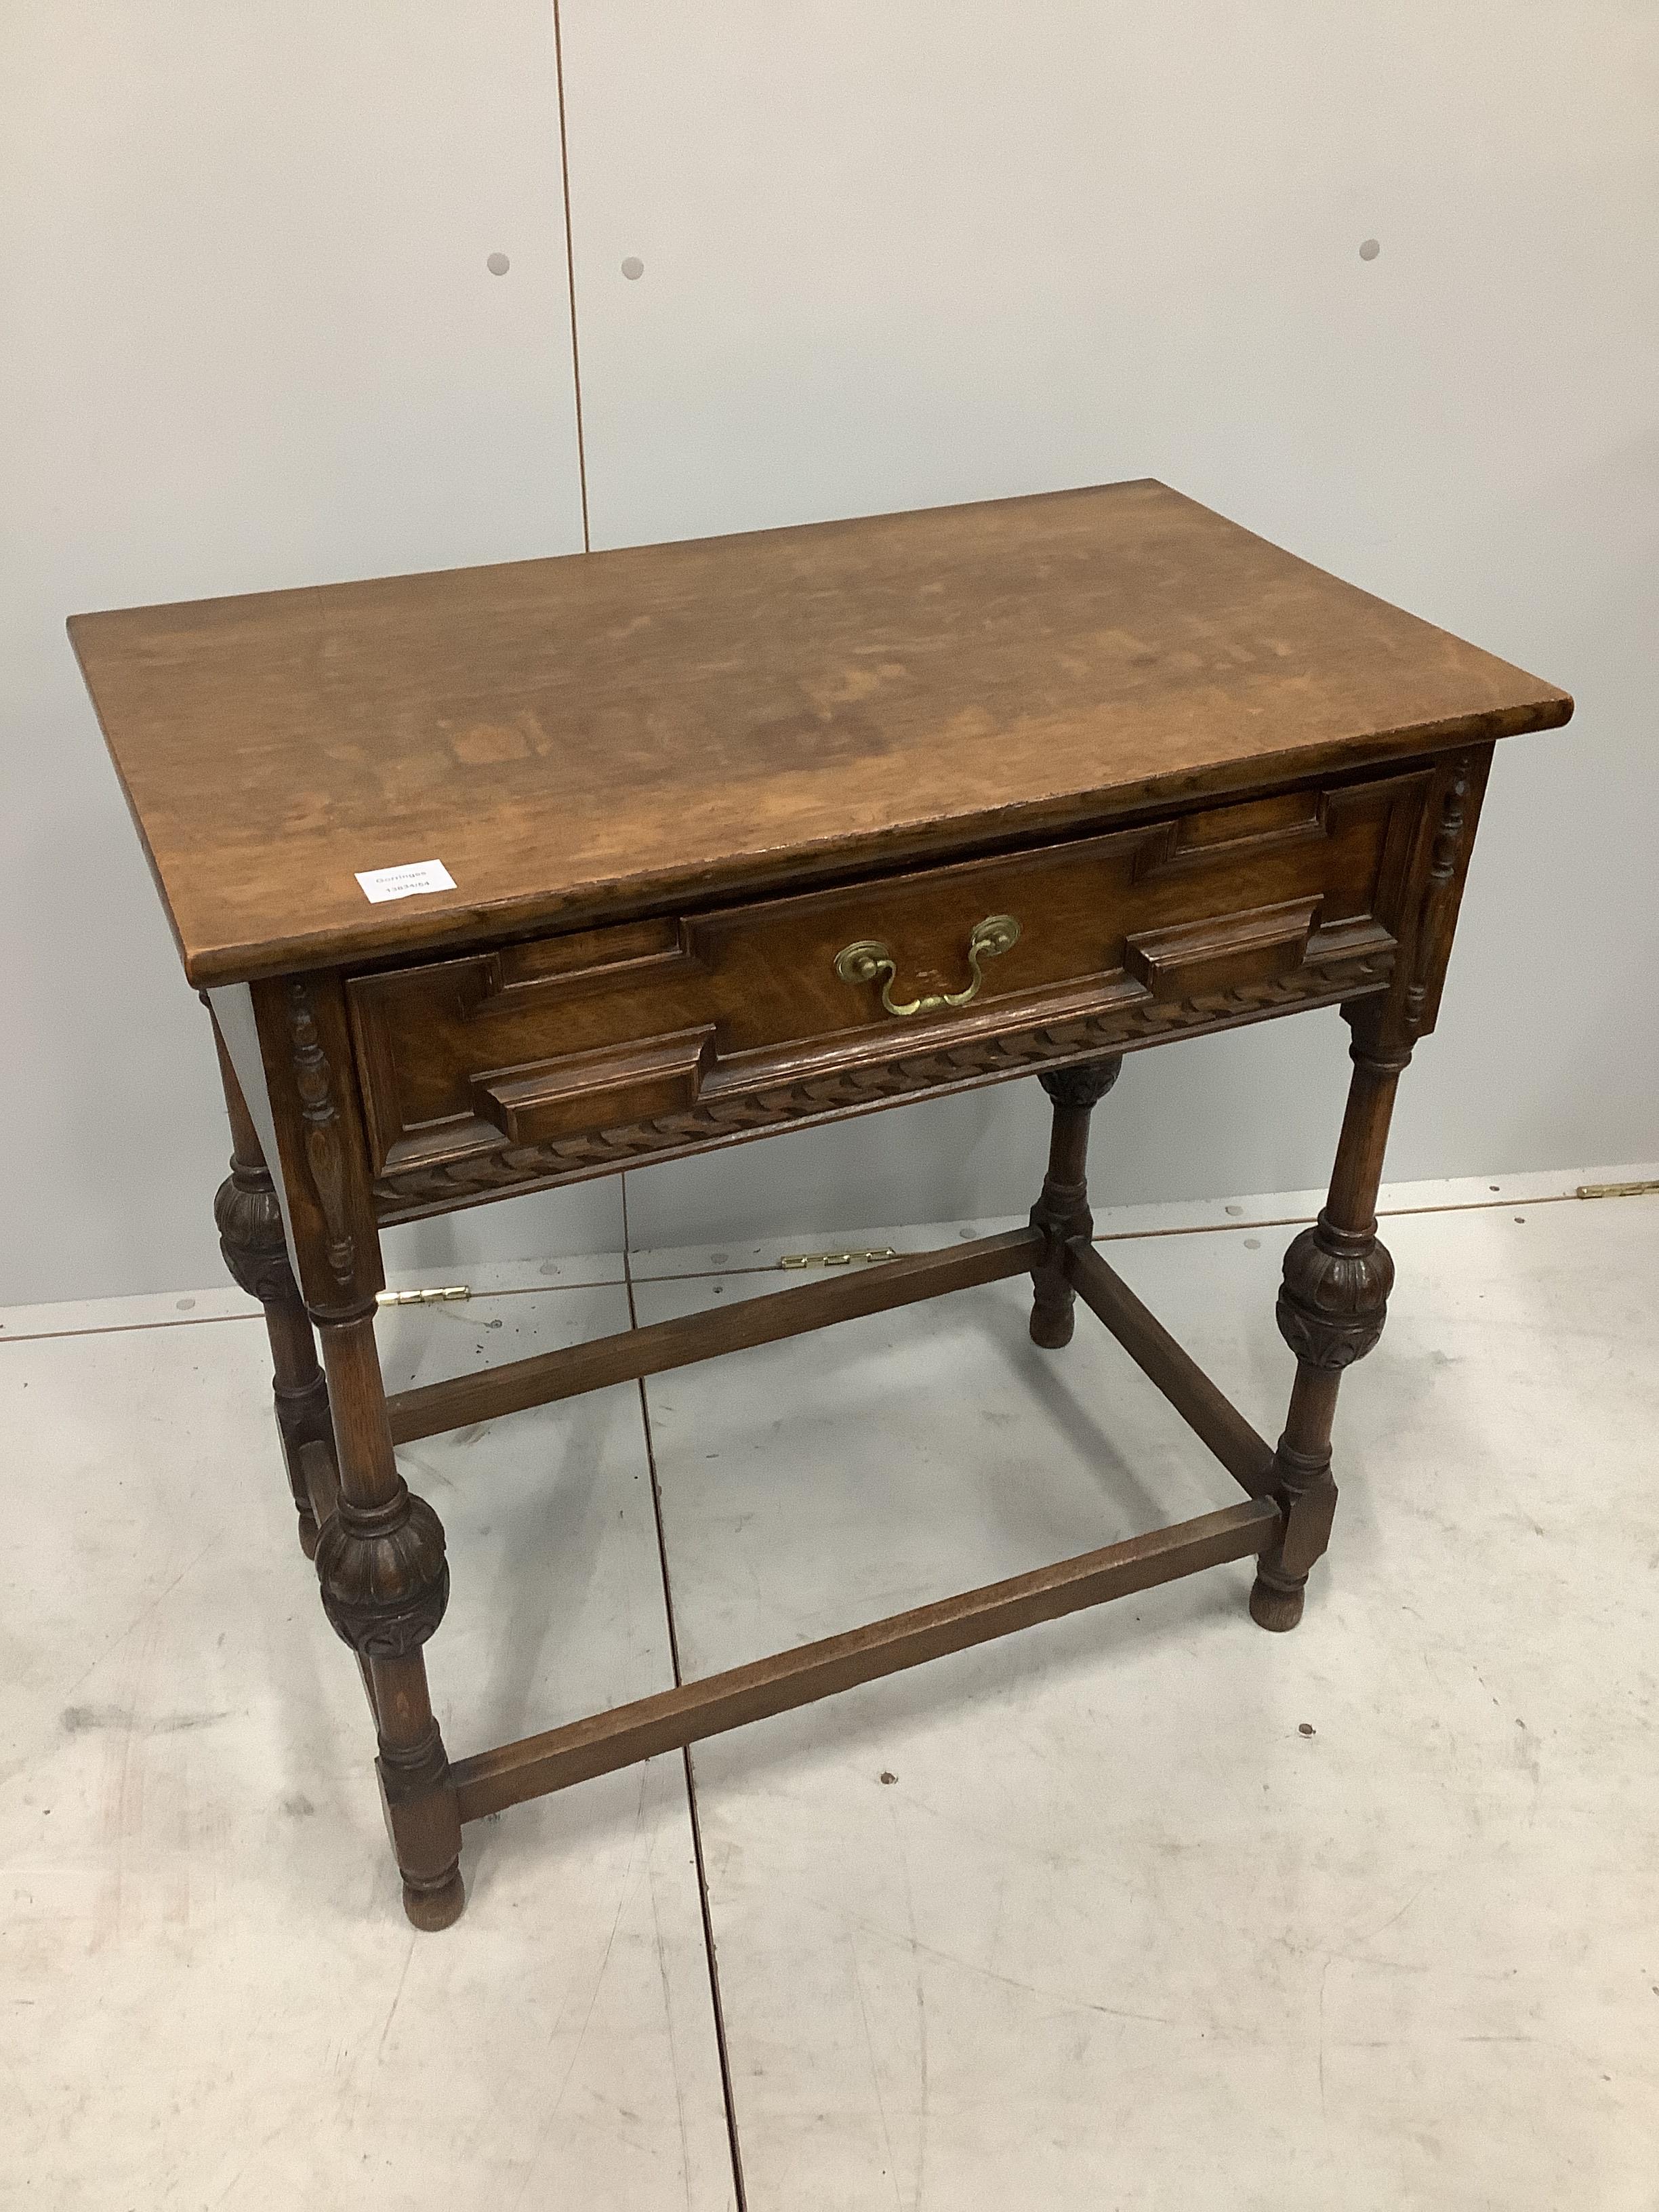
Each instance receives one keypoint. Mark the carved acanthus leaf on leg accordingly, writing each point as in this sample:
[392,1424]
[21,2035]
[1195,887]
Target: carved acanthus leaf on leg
[1334,1298]
[383,1575]
[249,1220]
[1084,1084]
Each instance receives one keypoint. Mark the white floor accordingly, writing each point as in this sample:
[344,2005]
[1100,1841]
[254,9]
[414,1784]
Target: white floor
[1143,1909]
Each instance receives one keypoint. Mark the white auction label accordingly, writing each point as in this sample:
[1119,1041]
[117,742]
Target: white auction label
[402,883]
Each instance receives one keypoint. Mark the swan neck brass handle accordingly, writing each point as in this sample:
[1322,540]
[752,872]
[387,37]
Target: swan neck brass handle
[869,960]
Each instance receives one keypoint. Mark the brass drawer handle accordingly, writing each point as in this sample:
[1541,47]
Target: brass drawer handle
[864,962]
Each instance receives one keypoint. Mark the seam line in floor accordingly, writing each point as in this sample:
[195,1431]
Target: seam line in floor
[717,2006]
[624,1281]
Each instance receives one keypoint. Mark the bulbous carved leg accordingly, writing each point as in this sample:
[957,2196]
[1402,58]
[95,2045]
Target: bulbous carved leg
[1062,1211]
[1331,1310]
[1332,1306]
[250,1223]
[385,1585]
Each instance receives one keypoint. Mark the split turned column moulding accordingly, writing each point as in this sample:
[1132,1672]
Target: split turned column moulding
[249,1216]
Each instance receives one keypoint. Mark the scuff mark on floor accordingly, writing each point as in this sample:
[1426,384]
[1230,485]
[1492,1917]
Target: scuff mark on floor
[397,1995]
[79,1720]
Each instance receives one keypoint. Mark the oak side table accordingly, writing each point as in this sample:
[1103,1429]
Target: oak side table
[502,878]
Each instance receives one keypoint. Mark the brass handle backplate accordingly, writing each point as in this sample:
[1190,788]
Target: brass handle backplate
[870,958]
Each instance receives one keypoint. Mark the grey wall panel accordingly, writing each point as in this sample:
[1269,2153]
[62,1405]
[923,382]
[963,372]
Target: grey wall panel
[893,255]
[889,255]
[248,339]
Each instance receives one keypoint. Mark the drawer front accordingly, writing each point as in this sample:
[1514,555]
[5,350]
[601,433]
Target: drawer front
[524,1059]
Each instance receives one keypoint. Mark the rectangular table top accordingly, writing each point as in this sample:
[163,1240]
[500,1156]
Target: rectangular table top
[607,734]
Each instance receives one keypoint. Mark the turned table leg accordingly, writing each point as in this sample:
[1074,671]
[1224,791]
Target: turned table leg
[386,1583]
[250,1223]
[379,1552]
[1331,1307]
[1062,1211]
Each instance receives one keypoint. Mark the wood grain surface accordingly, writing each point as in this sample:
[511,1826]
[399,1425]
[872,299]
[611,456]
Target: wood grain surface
[605,736]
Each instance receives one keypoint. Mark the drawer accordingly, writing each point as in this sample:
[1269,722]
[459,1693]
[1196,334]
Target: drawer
[1192,921]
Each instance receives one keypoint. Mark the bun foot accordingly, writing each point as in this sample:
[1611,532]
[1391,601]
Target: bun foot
[1053,1329]
[435,1908]
[1275,1609]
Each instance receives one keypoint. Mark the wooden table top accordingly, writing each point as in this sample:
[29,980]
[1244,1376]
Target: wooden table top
[612,734]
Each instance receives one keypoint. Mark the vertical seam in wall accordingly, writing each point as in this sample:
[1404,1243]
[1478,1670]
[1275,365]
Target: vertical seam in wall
[570,273]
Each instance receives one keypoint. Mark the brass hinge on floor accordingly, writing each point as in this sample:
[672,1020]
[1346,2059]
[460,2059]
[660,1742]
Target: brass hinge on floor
[835,1259]
[423,1298]
[1617,1190]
